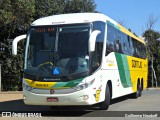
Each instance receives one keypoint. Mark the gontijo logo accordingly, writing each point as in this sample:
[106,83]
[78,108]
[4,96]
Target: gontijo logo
[136,64]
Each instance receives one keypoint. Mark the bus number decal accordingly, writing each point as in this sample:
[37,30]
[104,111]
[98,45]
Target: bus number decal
[42,85]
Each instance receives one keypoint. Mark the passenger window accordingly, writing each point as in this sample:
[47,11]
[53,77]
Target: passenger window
[118,41]
[110,38]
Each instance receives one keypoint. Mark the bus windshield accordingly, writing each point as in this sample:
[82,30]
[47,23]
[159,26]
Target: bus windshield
[53,52]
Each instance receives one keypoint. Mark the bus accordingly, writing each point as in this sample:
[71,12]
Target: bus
[81,59]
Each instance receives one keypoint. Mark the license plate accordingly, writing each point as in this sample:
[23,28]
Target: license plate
[52,99]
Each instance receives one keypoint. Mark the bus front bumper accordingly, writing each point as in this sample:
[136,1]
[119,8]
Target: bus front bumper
[82,97]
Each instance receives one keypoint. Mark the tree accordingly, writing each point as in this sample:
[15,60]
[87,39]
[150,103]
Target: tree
[122,22]
[15,18]
[151,22]
[151,37]
[153,46]
[48,7]
[53,7]
[79,6]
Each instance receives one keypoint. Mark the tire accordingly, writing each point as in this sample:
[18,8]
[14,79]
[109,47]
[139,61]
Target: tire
[138,93]
[53,107]
[140,90]
[105,104]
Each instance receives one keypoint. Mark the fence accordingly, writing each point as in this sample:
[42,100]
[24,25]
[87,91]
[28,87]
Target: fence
[0,78]
[10,82]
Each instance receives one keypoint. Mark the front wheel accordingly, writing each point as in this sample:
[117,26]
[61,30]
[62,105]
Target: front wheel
[105,104]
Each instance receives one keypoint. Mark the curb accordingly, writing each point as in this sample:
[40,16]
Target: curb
[12,92]
[153,88]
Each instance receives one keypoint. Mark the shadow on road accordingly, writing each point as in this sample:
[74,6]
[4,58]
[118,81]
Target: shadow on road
[19,107]
[120,99]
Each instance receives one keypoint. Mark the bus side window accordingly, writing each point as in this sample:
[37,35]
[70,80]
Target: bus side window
[125,44]
[134,48]
[118,46]
[131,49]
[110,39]
[118,42]
[144,51]
[137,48]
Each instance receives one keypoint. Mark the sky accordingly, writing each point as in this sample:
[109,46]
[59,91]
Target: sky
[133,13]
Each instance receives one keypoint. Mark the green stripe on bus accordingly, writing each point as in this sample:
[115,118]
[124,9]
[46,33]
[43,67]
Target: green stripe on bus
[126,69]
[74,82]
[115,26]
[59,84]
[69,84]
[123,69]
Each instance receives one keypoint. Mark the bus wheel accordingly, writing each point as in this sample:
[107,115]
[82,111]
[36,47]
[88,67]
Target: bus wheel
[105,104]
[138,93]
[140,90]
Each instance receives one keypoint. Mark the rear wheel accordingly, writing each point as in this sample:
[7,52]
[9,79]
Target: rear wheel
[105,104]
[140,90]
[138,93]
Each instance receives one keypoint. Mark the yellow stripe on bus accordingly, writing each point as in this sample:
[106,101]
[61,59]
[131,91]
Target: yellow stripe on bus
[42,85]
[129,33]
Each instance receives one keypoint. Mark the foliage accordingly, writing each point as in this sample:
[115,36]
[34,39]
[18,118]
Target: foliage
[75,6]
[48,7]
[151,37]
[15,19]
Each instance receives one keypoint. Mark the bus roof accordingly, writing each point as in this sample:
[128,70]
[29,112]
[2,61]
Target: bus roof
[75,18]
[70,19]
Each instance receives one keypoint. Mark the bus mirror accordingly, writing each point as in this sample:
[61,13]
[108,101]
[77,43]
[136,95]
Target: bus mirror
[92,40]
[14,43]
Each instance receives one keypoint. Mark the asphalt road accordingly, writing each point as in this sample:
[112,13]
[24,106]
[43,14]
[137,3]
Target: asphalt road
[146,106]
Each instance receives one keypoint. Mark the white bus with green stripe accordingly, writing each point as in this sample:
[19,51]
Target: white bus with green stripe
[81,59]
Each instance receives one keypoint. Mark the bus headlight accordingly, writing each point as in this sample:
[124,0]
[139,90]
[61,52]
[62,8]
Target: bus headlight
[26,87]
[83,86]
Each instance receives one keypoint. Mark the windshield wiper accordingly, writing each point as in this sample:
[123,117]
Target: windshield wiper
[31,76]
[75,75]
